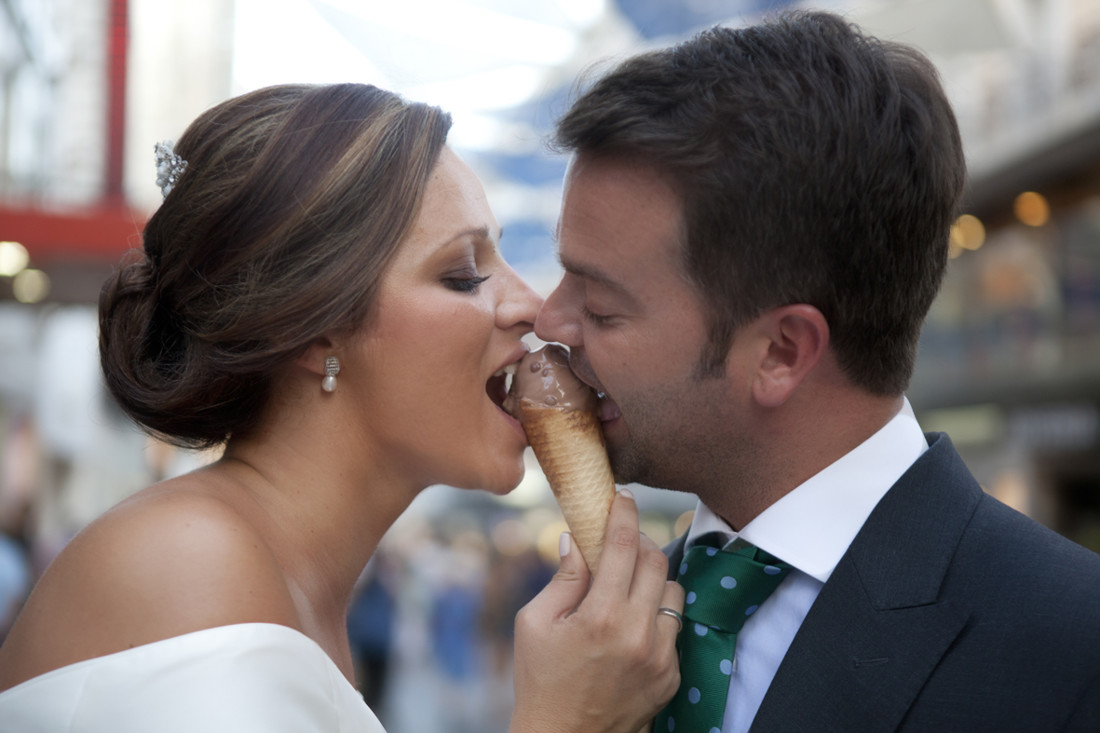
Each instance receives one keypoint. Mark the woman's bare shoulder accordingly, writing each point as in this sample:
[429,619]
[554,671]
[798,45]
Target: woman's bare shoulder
[170,560]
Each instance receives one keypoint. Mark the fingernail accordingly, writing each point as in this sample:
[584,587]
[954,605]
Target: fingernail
[564,545]
[627,493]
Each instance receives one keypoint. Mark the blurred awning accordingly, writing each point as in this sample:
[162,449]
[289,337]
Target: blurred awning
[102,233]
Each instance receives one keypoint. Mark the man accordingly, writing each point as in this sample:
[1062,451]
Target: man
[754,225]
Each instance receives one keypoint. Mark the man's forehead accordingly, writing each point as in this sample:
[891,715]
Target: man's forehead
[636,167]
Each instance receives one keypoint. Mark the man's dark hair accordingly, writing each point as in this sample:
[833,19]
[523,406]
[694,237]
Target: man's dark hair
[815,165]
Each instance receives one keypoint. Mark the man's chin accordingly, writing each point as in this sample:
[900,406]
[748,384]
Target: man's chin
[624,465]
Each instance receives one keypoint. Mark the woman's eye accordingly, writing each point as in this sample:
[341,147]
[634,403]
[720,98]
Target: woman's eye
[464,284]
[594,318]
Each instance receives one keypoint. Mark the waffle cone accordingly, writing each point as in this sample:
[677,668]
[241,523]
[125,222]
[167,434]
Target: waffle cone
[569,446]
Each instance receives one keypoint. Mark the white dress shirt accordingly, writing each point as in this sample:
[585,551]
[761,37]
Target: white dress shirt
[810,528]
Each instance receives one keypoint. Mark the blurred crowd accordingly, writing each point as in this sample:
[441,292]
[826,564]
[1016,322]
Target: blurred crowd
[431,628]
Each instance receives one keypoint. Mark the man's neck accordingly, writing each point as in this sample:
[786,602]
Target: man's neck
[797,446]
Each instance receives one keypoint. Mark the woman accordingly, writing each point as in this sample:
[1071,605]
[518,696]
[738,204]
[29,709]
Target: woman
[321,291]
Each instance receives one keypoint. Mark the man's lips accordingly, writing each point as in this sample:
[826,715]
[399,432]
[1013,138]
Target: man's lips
[579,366]
[608,409]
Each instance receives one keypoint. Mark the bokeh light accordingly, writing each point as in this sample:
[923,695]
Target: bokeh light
[1031,208]
[13,258]
[30,286]
[967,233]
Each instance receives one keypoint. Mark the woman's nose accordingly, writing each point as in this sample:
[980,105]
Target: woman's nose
[521,305]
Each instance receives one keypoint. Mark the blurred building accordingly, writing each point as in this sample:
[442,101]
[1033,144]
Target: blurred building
[85,88]
[1010,359]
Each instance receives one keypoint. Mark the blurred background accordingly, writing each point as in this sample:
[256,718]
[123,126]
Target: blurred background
[1009,364]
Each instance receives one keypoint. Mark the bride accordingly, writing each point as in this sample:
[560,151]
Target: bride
[321,293]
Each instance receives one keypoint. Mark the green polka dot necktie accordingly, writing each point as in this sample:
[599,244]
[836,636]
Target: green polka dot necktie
[724,587]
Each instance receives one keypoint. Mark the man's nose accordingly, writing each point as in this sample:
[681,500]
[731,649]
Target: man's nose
[559,318]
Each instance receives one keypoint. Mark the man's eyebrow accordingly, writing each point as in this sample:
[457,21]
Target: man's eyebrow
[578,269]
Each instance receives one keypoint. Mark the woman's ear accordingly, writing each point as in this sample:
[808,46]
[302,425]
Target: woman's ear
[313,358]
[796,339]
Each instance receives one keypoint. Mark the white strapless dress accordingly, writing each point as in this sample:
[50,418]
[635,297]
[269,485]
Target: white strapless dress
[241,678]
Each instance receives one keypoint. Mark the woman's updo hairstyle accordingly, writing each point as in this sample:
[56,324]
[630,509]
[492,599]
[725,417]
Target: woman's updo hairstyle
[293,202]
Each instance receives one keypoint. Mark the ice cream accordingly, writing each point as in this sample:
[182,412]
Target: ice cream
[558,414]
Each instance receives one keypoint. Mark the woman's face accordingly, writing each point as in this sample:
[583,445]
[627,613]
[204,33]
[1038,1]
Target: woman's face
[448,319]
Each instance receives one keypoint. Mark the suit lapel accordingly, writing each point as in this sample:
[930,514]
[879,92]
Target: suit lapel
[879,627]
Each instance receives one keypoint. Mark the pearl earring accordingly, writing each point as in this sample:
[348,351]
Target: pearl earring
[332,368]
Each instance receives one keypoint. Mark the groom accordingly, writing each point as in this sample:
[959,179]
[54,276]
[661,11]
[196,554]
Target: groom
[755,223]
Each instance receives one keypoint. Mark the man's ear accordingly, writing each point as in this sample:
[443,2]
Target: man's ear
[796,339]
[313,358]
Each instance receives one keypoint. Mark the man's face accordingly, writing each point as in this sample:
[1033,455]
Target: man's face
[635,324]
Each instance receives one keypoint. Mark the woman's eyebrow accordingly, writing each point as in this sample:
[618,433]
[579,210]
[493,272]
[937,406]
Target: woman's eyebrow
[481,232]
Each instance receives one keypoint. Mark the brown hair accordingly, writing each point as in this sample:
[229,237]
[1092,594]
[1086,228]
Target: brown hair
[815,164]
[292,204]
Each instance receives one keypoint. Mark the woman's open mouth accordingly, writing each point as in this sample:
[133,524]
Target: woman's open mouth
[498,385]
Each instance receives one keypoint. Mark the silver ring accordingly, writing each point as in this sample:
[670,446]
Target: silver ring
[675,614]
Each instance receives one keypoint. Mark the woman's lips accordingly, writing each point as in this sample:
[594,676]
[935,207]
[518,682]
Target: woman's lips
[499,385]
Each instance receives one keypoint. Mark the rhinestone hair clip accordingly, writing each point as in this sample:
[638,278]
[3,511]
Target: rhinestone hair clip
[169,167]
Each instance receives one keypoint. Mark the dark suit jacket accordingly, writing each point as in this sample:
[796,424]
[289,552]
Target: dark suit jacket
[949,612]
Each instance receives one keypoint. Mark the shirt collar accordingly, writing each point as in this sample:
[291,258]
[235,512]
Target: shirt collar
[812,526]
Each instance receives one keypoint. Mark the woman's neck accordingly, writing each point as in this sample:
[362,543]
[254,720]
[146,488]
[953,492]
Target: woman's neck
[323,513]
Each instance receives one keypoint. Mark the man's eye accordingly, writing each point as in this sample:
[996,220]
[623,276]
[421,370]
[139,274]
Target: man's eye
[594,318]
[464,284]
